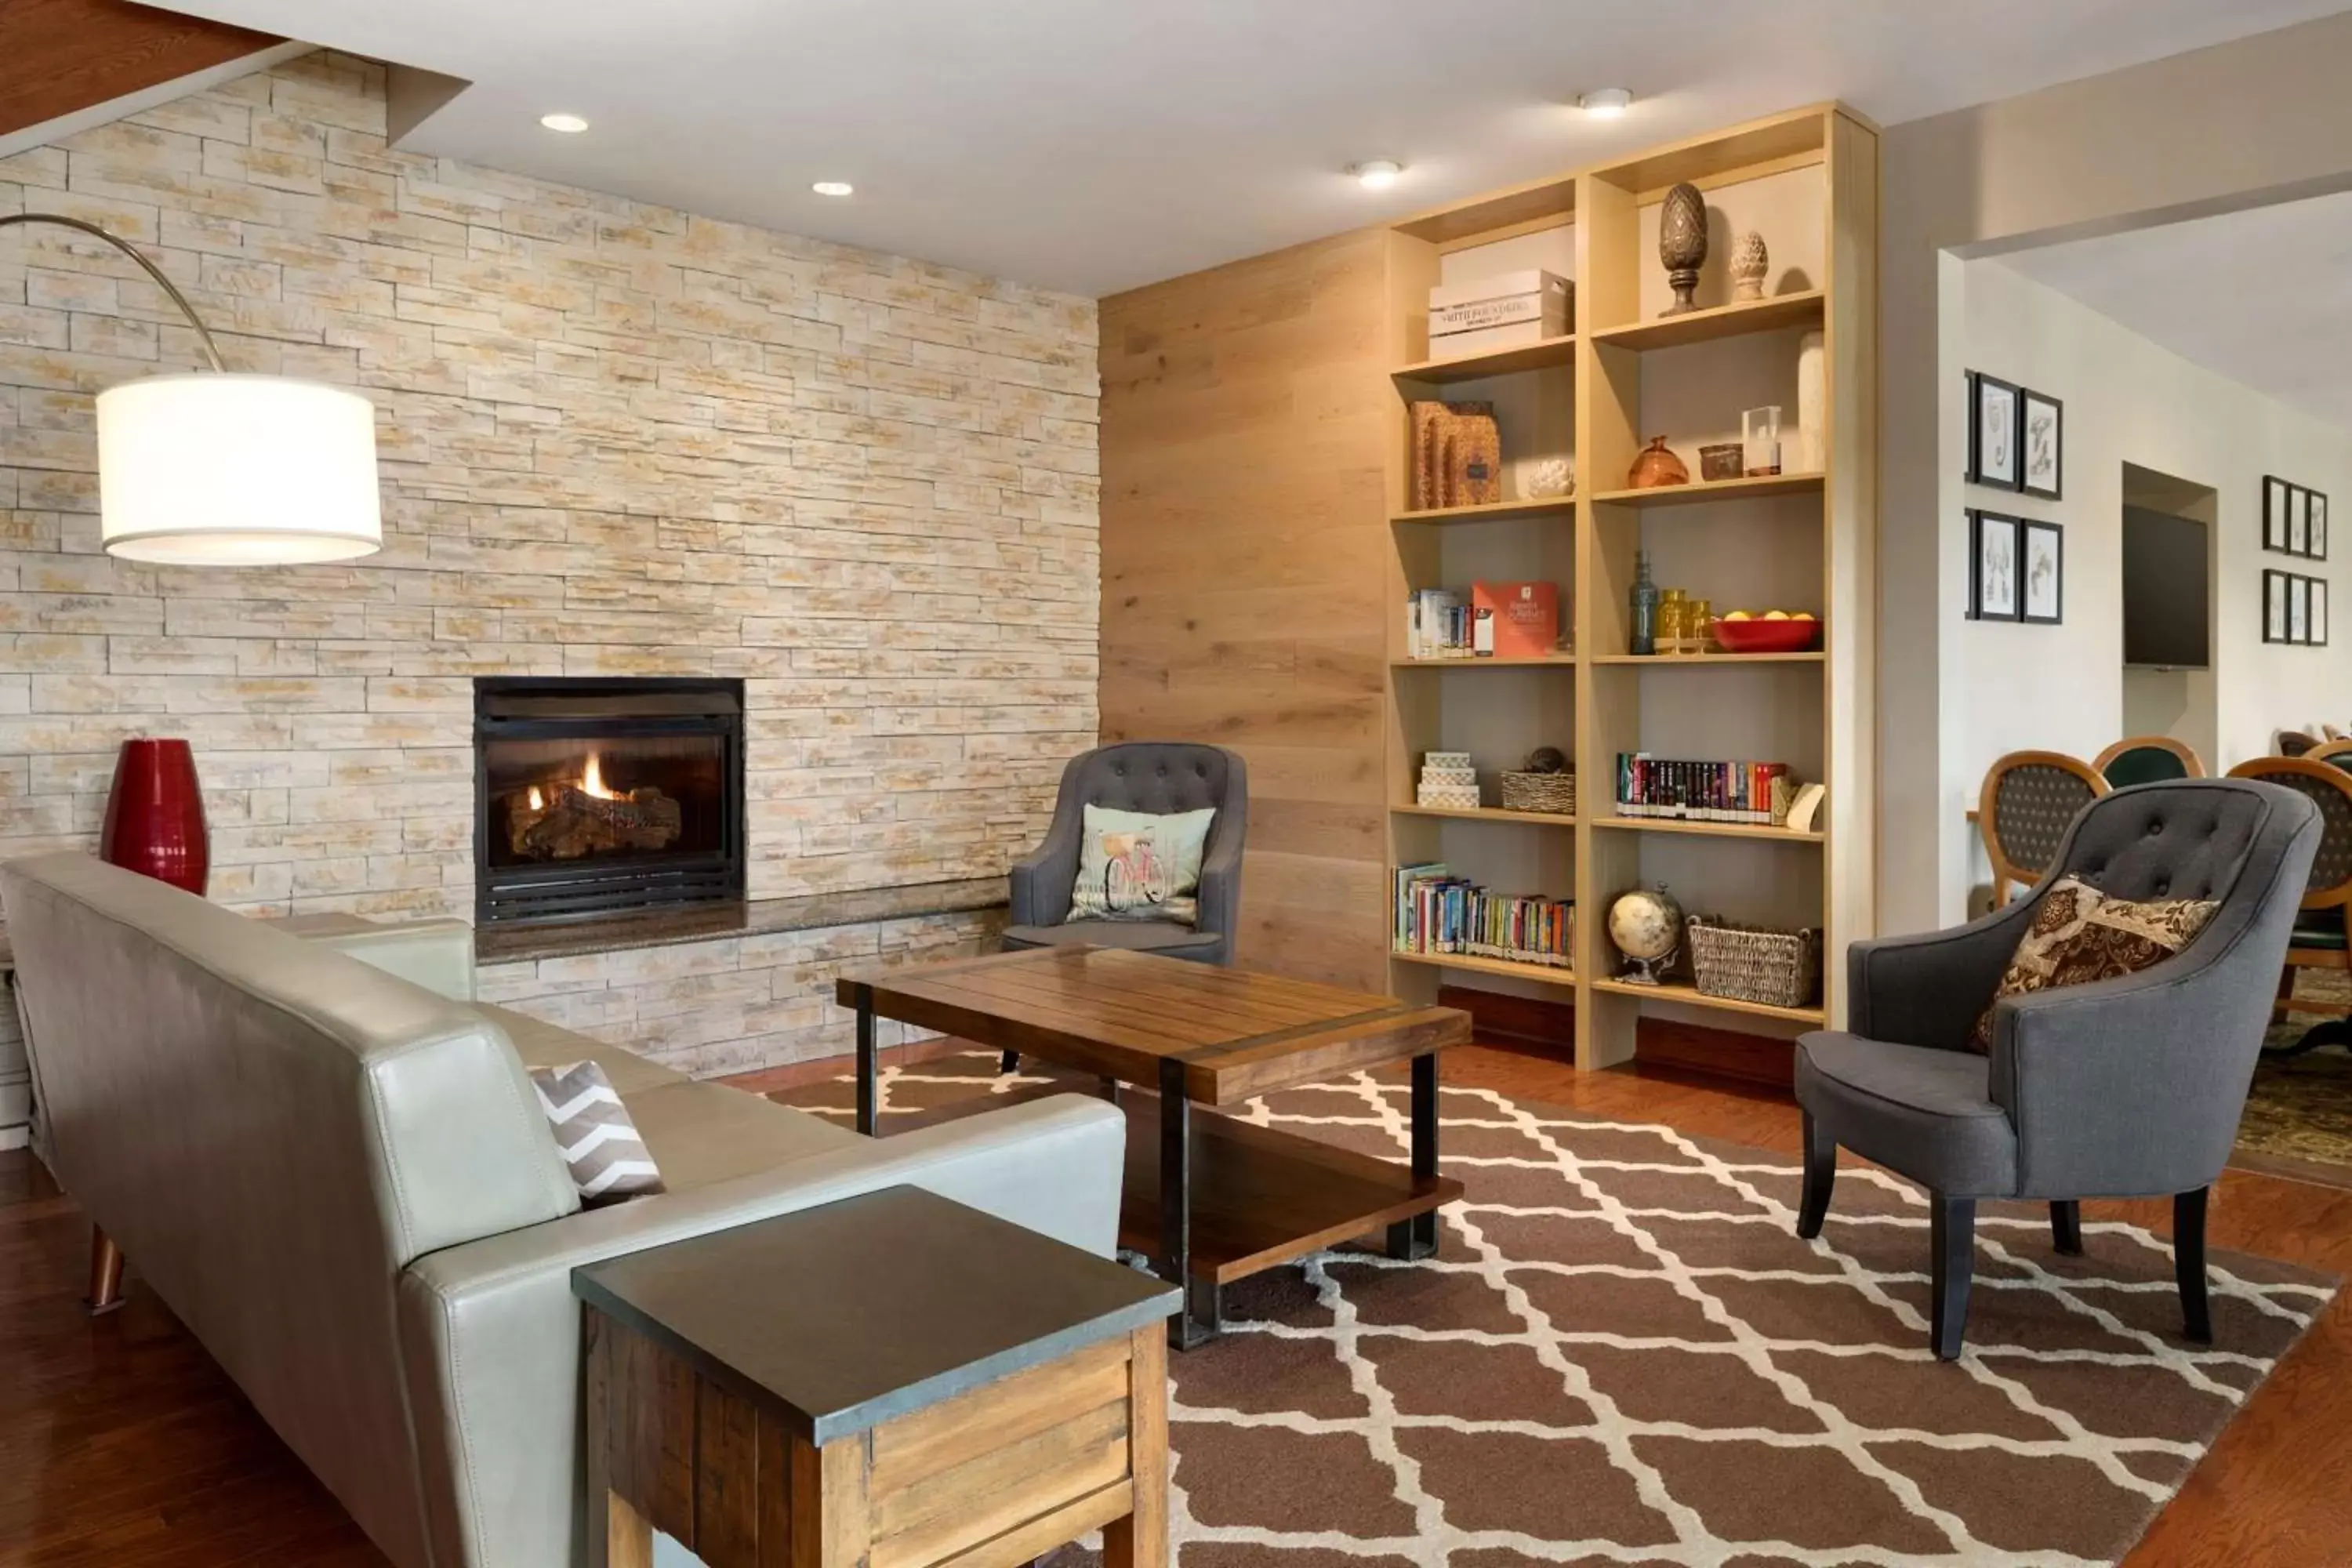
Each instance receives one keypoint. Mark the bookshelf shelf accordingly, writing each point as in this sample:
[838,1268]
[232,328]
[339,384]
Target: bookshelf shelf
[1808,181]
[1487,814]
[1777,315]
[1705,491]
[1762,835]
[1541,973]
[1706,660]
[1493,512]
[1690,997]
[1547,354]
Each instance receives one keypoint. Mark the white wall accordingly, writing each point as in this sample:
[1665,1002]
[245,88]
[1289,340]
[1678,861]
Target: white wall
[2011,686]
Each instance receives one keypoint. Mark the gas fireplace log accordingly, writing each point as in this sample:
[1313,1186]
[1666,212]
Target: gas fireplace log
[576,822]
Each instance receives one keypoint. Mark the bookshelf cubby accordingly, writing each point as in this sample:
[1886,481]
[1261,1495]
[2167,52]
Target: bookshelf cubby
[1796,540]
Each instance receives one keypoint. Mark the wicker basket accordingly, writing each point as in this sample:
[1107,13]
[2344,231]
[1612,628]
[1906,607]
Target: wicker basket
[1750,964]
[1554,793]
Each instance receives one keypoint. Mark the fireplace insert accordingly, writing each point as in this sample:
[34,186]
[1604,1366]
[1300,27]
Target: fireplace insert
[595,797]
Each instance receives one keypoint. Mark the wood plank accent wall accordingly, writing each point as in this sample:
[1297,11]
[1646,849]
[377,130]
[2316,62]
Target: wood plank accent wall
[68,55]
[1246,417]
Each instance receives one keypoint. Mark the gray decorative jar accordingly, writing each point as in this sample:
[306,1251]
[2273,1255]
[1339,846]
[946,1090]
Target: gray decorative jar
[1682,245]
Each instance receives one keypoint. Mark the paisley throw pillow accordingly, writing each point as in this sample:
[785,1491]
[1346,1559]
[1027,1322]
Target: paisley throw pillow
[2079,934]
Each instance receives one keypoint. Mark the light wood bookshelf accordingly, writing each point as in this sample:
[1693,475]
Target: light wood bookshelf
[1621,374]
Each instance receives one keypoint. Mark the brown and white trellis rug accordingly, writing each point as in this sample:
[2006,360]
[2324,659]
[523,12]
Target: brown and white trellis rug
[1622,1355]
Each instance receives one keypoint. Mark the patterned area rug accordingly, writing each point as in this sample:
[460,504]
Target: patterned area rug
[1622,1355]
[2301,1106]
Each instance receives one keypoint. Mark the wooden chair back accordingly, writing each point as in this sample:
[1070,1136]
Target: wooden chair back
[2338,752]
[2295,742]
[2148,759]
[2028,802]
[2329,785]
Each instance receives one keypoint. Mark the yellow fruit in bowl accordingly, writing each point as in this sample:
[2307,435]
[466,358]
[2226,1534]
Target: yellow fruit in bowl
[1738,616]
[1802,616]
[1776,614]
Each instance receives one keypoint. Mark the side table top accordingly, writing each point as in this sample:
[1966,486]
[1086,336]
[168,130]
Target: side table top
[844,1316]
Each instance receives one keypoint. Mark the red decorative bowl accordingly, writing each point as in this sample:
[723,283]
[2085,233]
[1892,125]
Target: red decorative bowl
[1767,637]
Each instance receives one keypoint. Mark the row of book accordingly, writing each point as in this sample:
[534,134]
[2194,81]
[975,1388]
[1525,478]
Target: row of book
[1501,620]
[1701,792]
[1437,911]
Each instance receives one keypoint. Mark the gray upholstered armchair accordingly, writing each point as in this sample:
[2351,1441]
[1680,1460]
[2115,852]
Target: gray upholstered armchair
[2122,1088]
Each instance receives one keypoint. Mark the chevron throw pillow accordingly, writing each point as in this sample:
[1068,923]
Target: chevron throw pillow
[592,1126]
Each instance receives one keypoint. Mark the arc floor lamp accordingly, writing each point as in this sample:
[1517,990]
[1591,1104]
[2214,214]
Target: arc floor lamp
[219,469]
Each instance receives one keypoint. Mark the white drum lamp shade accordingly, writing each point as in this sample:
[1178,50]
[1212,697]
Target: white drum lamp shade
[217,469]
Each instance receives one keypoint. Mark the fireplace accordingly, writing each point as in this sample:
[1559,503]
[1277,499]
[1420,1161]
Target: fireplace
[595,797]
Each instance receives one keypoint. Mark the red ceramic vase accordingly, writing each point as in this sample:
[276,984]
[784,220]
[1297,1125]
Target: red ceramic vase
[155,816]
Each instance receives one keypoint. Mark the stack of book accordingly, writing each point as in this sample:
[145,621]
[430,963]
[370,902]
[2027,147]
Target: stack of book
[1702,791]
[1439,912]
[1448,779]
[1438,624]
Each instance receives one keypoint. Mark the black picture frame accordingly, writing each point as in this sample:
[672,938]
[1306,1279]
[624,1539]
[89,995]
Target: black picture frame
[2028,404]
[2274,596]
[2316,617]
[1980,385]
[2298,520]
[2276,495]
[1998,594]
[2317,538]
[2298,609]
[2034,607]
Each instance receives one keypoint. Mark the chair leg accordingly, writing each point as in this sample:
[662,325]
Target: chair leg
[2188,1263]
[2067,1226]
[2285,994]
[105,1274]
[1009,1062]
[1821,1176]
[1952,1248]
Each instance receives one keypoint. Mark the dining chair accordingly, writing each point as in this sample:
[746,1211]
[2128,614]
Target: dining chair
[2322,938]
[2028,801]
[2338,752]
[2148,759]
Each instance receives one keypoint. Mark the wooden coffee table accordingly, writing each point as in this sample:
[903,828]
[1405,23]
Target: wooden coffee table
[1210,1198]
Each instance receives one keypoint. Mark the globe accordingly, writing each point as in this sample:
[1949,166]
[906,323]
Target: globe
[1646,924]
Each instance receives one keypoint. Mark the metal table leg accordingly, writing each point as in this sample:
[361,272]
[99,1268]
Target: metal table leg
[1197,1323]
[869,1068]
[1416,1237]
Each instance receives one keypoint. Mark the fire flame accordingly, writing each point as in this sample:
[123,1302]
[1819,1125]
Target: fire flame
[592,781]
[538,801]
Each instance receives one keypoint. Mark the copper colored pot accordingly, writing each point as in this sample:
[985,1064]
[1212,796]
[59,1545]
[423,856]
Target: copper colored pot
[1656,468]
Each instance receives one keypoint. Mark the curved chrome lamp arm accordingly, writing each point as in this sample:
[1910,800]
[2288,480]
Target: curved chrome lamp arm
[171,290]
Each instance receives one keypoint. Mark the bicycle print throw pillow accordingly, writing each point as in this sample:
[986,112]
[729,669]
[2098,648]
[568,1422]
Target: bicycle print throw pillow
[1141,866]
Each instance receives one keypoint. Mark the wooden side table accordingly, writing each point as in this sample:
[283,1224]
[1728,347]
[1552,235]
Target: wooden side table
[893,1381]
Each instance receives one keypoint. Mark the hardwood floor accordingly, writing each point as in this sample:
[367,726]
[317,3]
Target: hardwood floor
[120,1444]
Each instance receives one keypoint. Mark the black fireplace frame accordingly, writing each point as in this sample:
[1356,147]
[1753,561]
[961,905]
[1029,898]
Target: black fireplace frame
[535,708]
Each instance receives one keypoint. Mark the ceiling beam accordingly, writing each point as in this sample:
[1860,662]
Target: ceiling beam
[65,56]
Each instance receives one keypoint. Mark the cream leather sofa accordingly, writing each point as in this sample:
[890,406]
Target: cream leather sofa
[341,1182]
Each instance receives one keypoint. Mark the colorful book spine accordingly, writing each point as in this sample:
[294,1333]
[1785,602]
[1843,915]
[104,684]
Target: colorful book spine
[1738,792]
[1438,912]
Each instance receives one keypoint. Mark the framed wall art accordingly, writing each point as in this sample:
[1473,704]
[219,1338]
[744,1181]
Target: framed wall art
[2042,572]
[2315,621]
[2042,447]
[2274,498]
[1993,432]
[2275,586]
[1993,590]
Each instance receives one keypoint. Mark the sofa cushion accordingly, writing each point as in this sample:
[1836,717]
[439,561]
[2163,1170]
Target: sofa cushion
[1928,1113]
[1140,936]
[704,1132]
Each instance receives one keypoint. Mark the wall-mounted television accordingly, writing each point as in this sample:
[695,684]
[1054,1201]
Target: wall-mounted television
[2166,591]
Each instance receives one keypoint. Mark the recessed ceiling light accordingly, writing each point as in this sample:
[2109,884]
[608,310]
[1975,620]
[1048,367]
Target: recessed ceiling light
[833,188]
[570,125]
[1376,173]
[1606,102]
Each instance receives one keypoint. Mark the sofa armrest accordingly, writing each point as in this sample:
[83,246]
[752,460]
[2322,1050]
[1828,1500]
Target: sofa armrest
[489,1331]
[437,954]
[1929,989]
[1221,868]
[1042,883]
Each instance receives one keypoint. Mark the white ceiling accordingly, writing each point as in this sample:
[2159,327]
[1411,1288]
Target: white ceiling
[1093,145]
[2264,296]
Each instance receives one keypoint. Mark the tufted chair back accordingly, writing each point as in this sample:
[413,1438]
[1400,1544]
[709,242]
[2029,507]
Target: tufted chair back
[1159,776]
[2186,838]
[2028,801]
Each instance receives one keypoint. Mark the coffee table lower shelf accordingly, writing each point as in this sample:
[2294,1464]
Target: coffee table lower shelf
[1261,1196]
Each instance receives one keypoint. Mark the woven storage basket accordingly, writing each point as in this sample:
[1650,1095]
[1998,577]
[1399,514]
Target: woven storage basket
[1554,793]
[1749,964]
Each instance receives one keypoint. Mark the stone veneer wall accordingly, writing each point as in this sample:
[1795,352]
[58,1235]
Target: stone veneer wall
[615,439]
